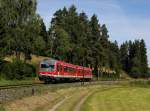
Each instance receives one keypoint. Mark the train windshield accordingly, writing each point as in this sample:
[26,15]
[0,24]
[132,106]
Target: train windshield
[44,66]
[47,67]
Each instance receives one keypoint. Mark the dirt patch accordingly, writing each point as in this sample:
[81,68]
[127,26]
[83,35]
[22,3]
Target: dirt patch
[58,104]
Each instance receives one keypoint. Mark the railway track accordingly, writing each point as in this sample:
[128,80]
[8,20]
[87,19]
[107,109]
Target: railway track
[57,84]
[19,85]
[12,92]
[35,84]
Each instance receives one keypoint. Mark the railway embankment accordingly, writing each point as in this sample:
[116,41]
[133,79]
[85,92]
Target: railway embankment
[13,92]
[41,97]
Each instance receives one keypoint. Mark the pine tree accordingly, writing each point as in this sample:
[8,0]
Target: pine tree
[105,44]
[114,55]
[124,56]
[143,58]
[83,31]
[134,58]
[2,36]
[95,42]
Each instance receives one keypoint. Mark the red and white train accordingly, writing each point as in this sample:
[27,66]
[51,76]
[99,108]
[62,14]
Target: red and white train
[51,70]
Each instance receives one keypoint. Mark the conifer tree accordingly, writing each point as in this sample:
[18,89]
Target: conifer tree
[124,56]
[95,42]
[144,61]
[134,58]
[105,44]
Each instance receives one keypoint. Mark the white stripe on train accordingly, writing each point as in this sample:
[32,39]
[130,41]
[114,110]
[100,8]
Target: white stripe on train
[66,76]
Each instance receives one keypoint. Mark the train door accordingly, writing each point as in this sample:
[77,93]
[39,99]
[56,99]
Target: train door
[59,69]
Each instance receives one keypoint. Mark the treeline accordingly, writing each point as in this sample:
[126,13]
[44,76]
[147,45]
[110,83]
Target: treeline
[79,40]
[72,37]
[134,58]
[20,33]
[21,29]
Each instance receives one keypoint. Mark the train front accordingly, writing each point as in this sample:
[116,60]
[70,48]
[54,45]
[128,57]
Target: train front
[47,70]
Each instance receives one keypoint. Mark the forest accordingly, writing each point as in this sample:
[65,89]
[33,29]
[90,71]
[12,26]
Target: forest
[72,37]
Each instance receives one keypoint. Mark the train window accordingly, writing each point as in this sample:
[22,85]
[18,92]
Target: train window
[65,69]
[49,67]
[69,69]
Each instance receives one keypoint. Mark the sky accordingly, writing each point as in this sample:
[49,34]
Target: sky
[125,19]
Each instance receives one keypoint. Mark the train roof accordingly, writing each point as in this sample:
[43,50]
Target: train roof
[74,66]
[50,60]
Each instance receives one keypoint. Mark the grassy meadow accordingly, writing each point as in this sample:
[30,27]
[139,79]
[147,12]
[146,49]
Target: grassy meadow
[119,99]
[102,98]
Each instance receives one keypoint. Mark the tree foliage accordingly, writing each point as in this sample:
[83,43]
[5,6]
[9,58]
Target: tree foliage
[72,37]
[134,58]
[22,26]
[87,41]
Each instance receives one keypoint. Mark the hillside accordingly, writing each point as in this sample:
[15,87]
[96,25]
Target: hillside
[34,59]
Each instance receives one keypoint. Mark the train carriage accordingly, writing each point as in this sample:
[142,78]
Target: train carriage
[51,70]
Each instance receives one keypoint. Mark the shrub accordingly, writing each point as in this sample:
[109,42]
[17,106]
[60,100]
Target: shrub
[17,70]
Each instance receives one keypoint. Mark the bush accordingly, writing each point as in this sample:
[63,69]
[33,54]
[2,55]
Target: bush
[135,72]
[17,70]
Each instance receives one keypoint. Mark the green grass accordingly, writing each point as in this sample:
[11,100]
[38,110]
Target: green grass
[69,104]
[104,98]
[119,99]
[77,95]
[4,82]
[2,108]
